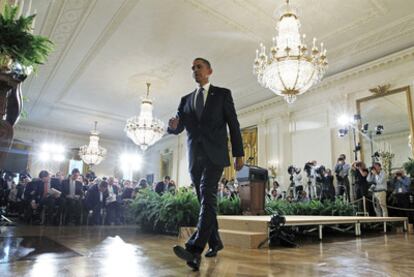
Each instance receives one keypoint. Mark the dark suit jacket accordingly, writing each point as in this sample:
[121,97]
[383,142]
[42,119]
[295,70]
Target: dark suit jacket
[35,189]
[66,188]
[92,198]
[211,130]
[160,188]
[127,193]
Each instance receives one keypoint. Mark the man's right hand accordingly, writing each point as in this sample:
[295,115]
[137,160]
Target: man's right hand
[173,123]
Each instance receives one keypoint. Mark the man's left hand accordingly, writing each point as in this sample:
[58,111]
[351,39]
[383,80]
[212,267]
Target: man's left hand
[238,163]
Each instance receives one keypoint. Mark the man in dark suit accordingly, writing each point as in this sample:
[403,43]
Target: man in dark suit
[72,193]
[205,113]
[162,186]
[41,196]
[95,201]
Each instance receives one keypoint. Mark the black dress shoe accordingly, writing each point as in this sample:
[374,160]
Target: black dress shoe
[193,259]
[212,252]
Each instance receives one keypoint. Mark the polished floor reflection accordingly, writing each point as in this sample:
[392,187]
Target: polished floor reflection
[122,251]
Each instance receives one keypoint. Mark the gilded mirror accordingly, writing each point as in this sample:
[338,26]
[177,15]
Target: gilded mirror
[386,124]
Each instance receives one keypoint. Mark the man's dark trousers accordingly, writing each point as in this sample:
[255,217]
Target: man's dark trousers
[205,177]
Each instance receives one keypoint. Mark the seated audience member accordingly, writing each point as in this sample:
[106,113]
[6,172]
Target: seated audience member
[95,201]
[162,186]
[24,179]
[303,197]
[143,184]
[128,190]
[220,190]
[113,202]
[172,188]
[72,192]
[43,197]
[12,200]
[226,192]
[274,195]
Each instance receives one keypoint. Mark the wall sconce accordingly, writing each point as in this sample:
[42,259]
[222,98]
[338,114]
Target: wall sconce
[272,167]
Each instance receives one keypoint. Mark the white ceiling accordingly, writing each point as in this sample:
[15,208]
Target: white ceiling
[106,50]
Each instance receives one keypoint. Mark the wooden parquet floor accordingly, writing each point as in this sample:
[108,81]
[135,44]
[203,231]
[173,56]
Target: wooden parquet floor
[124,251]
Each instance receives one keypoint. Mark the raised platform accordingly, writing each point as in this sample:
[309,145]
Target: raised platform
[249,231]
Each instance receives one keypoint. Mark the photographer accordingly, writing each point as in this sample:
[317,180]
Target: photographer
[401,196]
[360,173]
[296,186]
[376,176]
[341,172]
[328,190]
[310,168]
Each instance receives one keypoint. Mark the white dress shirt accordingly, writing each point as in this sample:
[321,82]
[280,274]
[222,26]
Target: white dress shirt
[72,187]
[206,87]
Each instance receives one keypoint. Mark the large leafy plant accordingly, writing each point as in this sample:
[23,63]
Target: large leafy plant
[169,212]
[17,40]
[313,207]
[409,167]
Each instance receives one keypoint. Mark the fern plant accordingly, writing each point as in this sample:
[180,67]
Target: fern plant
[17,41]
[409,167]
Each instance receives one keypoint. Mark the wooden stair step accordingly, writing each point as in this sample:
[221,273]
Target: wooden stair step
[237,238]
[232,223]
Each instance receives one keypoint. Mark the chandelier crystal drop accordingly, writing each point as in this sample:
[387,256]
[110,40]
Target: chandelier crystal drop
[290,68]
[145,130]
[92,154]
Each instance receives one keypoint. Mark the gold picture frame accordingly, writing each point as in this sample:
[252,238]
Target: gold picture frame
[382,91]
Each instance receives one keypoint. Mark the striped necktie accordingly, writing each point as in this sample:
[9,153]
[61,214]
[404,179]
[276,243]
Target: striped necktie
[199,106]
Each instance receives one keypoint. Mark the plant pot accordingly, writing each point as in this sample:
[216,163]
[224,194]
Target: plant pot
[5,63]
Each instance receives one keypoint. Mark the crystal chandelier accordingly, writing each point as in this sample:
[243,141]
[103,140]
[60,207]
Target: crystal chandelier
[92,154]
[290,69]
[145,130]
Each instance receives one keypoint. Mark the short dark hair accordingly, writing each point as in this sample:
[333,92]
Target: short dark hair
[75,170]
[167,178]
[43,174]
[377,163]
[103,184]
[204,61]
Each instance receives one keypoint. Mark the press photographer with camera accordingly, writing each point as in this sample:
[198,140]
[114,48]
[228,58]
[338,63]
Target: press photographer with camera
[377,178]
[296,186]
[328,189]
[400,194]
[310,169]
[341,172]
[360,173]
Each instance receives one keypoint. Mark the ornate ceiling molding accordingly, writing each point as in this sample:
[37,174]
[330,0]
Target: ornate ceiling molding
[71,18]
[119,16]
[403,27]
[215,14]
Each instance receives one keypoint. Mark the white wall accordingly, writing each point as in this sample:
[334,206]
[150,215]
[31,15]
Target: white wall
[37,136]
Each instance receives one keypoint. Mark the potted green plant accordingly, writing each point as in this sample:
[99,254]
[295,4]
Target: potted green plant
[409,167]
[18,45]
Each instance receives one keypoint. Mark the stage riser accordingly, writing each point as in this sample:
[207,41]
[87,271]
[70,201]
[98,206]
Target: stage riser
[240,225]
[246,240]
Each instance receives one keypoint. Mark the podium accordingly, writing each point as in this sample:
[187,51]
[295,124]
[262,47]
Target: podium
[252,189]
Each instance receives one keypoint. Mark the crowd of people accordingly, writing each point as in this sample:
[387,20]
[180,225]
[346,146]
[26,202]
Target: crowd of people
[380,189]
[77,199]
[55,200]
